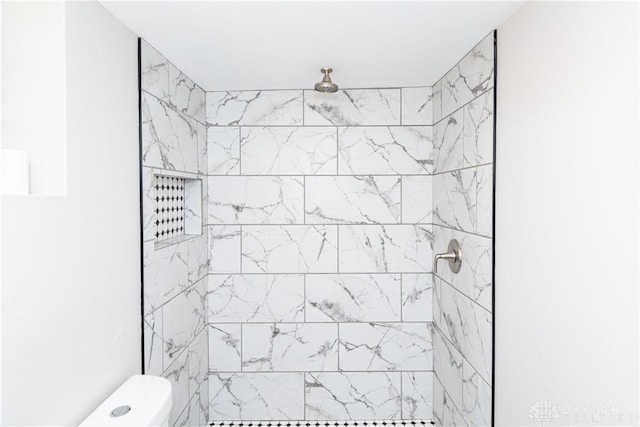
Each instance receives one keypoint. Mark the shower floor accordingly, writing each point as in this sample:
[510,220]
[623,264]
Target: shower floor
[325,423]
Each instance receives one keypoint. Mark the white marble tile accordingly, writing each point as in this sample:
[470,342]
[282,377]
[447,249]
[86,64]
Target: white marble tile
[203,155]
[417,199]
[203,402]
[476,396]
[470,77]
[437,300]
[183,318]
[154,72]
[448,143]
[193,206]
[438,401]
[352,107]
[256,396]
[268,107]
[223,148]
[148,205]
[468,327]
[178,375]
[224,248]
[385,346]
[198,258]
[451,415]
[198,362]
[385,248]
[417,293]
[289,249]
[417,395]
[256,298]
[454,199]
[186,96]
[417,105]
[153,344]
[475,276]
[165,273]
[385,150]
[352,395]
[362,199]
[169,139]
[447,365]
[256,200]
[289,150]
[478,130]
[205,202]
[436,93]
[484,200]
[290,347]
[352,297]
[225,347]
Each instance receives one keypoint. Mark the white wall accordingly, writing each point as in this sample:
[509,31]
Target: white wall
[567,213]
[71,265]
[33,63]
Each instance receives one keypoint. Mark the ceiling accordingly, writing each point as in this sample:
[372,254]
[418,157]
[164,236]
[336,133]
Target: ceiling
[236,45]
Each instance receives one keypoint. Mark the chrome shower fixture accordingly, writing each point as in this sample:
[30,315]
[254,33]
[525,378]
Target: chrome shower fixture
[326,85]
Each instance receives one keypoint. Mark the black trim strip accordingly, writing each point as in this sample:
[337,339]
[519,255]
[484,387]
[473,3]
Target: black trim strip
[493,233]
[141,212]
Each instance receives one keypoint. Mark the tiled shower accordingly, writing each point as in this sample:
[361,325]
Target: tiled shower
[301,286]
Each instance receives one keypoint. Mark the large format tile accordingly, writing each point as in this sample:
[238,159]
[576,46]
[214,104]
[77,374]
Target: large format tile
[267,107]
[256,396]
[470,77]
[478,130]
[165,273]
[454,199]
[289,150]
[484,200]
[352,297]
[476,396]
[290,347]
[154,72]
[385,150]
[352,107]
[178,375]
[468,327]
[448,143]
[256,298]
[436,93]
[224,248]
[417,293]
[198,361]
[385,248]
[183,319]
[385,346]
[153,344]
[475,276]
[447,365]
[169,138]
[186,96]
[289,249]
[255,200]
[417,199]
[352,395]
[225,347]
[198,258]
[417,395]
[417,106]
[223,150]
[352,199]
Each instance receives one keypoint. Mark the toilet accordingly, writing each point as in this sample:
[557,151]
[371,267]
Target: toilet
[143,400]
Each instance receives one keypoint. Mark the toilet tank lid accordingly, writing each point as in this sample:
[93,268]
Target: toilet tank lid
[148,396]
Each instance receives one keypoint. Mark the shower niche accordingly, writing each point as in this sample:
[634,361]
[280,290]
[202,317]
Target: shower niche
[311,292]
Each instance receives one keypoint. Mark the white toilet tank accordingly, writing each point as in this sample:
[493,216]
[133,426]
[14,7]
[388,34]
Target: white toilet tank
[143,400]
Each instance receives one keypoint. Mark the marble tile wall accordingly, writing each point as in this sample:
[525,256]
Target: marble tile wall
[175,273]
[319,232]
[462,209]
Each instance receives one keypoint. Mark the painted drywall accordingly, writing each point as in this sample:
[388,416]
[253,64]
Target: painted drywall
[71,265]
[567,215]
[33,41]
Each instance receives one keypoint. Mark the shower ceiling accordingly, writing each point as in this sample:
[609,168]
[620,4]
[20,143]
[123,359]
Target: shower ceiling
[270,45]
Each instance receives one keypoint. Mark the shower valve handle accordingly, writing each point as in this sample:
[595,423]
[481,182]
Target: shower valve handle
[453,255]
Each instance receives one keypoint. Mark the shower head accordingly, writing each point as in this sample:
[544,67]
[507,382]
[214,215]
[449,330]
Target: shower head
[326,85]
